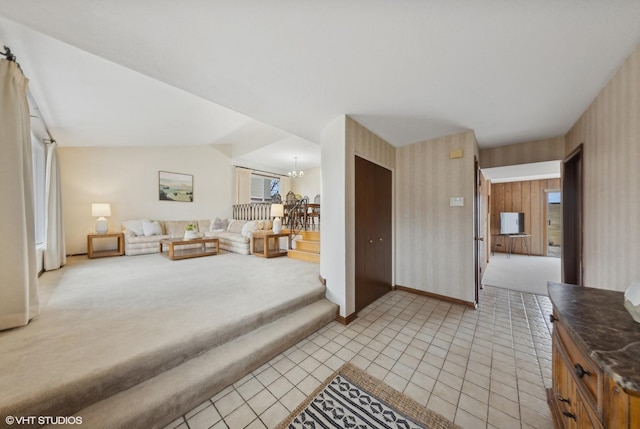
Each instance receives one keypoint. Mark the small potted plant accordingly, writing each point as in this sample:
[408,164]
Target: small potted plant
[190,232]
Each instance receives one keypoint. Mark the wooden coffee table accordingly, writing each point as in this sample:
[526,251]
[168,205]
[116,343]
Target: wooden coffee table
[174,253]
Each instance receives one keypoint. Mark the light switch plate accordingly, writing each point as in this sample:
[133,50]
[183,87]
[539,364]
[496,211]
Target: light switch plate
[456,202]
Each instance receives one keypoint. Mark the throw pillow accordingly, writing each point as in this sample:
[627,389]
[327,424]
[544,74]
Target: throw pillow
[248,228]
[236,226]
[151,228]
[134,225]
[218,224]
[204,225]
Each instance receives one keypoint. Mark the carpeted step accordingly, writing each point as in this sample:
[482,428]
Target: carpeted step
[163,398]
[76,393]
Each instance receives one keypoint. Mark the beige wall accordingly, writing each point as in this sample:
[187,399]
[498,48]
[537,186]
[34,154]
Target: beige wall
[523,153]
[610,132]
[434,242]
[127,178]
[332,240]
[310,184]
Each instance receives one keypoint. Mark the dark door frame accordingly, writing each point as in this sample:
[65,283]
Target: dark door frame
[572,197]
[478,240]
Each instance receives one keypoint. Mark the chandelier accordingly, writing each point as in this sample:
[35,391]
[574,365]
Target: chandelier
[295,173]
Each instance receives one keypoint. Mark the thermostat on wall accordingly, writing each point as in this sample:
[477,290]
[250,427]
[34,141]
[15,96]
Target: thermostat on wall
[456,202]
[458,153]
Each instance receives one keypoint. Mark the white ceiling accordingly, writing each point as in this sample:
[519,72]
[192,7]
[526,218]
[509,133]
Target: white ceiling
[145,72]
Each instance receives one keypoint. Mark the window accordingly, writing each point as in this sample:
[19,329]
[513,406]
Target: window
[39,185]
[263,188]
[554,197]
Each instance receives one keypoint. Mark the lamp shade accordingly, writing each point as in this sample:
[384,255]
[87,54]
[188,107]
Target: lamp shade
[277,210]
[100,209]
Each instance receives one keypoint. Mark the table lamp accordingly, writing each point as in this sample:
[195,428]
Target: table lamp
[277,211]
[100,210]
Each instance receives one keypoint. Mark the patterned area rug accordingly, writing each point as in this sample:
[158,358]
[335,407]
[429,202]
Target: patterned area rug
[351,398]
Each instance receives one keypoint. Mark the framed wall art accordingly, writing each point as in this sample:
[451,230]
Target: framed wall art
[175,186]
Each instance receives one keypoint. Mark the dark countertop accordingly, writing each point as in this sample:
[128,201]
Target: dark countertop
[599,324]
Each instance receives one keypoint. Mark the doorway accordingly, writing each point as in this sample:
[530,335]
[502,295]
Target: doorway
[554,223]
[523,189]
[572,217]
[478,231]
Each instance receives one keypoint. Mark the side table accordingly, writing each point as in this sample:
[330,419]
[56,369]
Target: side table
[265,236]
[104,253]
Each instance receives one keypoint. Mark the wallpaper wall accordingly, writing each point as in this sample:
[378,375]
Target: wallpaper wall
[434,242]
[523,153]
[610,132]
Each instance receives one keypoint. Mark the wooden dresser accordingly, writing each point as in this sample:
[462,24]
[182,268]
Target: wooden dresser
[595,360]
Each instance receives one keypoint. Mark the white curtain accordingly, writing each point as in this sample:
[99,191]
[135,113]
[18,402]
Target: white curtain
[55,252]
[19,301]
[243,185]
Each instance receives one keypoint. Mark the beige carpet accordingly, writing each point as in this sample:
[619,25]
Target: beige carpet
[522,273]
[103,313]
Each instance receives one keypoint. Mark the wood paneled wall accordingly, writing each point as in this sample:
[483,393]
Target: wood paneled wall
[526,197]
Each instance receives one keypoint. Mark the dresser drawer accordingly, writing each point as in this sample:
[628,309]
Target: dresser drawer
[587,376]
[587,391]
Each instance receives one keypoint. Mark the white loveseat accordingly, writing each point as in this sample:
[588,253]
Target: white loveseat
[142,236]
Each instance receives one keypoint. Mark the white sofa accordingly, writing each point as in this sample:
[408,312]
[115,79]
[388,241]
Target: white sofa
[142,236]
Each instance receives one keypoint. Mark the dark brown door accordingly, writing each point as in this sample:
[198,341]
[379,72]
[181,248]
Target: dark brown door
[373,201]
[572,218]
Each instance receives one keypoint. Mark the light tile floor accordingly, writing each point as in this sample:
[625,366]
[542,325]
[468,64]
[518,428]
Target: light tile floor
[484,368]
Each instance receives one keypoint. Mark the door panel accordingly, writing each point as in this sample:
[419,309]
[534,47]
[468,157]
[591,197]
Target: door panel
[362,228]
[373,213]
[382,237]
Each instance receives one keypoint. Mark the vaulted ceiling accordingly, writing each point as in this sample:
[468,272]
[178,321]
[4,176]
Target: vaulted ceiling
[264,77]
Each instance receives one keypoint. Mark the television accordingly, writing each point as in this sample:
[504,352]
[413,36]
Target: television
[511,223]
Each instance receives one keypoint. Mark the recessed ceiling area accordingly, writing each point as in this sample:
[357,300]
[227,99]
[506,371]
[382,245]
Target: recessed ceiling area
[255,73]
[523,172]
